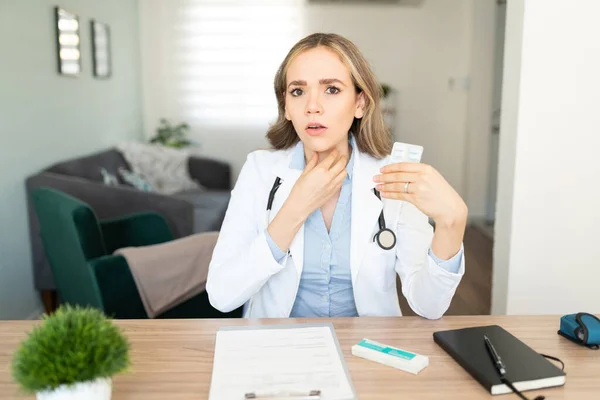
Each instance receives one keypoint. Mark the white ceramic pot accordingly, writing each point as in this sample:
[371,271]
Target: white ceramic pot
[98,389]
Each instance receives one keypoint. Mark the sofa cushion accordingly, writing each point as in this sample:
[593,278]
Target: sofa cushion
[209,207]
[90,167]
[164,168]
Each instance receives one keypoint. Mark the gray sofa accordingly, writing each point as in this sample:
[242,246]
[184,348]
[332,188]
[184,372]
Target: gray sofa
[187,212]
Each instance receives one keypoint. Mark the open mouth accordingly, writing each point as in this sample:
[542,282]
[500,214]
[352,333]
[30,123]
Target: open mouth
[315,128]
[315,125]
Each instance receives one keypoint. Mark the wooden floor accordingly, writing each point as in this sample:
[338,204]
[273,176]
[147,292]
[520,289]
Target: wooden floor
[473,296]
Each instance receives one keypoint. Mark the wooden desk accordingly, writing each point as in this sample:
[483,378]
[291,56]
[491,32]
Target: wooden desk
[172,359]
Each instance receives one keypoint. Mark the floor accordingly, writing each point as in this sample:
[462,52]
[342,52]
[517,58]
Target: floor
[473,296]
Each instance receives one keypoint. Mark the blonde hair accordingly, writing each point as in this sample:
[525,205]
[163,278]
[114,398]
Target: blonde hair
[372,136]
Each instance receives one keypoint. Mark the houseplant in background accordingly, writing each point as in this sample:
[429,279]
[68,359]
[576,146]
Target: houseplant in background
[171,135]
[385,90]
[72,354]
[387,105]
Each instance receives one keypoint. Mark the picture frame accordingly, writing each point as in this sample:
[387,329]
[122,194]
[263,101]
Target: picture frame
[101,49]
[68,42]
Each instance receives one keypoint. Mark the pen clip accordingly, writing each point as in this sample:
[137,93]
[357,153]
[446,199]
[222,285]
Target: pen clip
[312,395]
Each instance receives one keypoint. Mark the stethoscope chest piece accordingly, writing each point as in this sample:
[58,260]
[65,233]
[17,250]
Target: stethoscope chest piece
[385,238]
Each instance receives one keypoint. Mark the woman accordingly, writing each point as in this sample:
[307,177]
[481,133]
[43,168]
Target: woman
[313,253]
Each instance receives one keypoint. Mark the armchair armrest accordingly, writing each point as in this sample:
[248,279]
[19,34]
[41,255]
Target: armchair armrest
[140,229]
[212,174]
[120,297]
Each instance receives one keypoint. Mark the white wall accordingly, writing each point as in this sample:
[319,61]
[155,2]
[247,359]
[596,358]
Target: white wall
[507,154]
[548,196]
[45,118]
[494,148]
[422,48]
[480,106]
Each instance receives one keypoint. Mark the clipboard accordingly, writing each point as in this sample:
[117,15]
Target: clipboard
[318,365]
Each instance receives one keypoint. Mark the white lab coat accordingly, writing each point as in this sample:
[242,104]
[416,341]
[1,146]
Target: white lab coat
[243,271]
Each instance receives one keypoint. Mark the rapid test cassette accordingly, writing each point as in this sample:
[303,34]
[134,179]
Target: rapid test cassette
[390,356]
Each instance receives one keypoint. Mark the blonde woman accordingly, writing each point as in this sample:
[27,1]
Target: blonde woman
[320,225]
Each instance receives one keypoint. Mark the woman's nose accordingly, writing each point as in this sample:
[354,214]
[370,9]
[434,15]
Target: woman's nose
[314,106]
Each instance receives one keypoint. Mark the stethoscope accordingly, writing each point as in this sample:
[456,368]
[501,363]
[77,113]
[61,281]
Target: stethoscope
[385,238]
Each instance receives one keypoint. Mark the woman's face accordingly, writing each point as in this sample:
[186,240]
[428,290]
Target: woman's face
[320,100]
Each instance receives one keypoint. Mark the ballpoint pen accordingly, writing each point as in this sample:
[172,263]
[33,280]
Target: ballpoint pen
[295,395]
[495,357]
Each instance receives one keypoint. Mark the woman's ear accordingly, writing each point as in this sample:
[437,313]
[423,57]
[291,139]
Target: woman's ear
[360,106]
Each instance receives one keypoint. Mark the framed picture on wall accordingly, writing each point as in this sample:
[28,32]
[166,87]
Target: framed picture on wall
[101,57]
[67,40]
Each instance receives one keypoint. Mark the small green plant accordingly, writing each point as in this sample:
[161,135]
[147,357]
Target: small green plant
[171,135]
[385,90]
[74,344]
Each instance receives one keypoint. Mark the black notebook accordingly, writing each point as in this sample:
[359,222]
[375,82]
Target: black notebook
[525,368]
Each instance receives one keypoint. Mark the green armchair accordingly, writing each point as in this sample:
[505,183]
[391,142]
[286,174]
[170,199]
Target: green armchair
[79,248]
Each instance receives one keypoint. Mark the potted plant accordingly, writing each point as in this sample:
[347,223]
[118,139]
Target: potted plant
[387,105]
[385,90]
[72,354]
[171,135]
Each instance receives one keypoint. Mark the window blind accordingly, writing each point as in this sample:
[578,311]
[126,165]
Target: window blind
[225,54]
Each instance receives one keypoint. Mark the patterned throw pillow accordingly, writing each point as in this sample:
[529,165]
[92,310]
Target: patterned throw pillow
[164,168]
[135,180]
[108,178]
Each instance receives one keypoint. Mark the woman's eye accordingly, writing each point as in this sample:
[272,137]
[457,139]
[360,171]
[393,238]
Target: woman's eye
[330,90]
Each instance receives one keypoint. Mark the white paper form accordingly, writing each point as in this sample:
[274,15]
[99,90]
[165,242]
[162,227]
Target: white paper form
[275,359]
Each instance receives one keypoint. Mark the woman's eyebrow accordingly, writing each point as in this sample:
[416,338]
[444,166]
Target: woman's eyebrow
[326,81]
[329,81]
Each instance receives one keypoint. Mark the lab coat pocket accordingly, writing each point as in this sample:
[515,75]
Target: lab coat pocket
[380,264]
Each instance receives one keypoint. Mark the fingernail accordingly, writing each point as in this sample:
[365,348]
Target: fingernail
[376,178]
[378,187]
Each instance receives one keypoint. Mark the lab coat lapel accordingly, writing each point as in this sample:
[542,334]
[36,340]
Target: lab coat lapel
[366,208]
[289,178]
